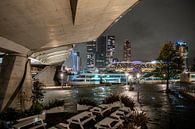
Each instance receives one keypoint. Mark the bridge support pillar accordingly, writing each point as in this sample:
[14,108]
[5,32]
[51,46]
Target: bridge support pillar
[15,83]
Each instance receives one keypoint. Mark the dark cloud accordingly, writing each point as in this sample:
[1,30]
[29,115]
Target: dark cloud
[153,22]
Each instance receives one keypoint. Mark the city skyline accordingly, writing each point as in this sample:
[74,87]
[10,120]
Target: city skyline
[149,25]
[152,23]
[85,64]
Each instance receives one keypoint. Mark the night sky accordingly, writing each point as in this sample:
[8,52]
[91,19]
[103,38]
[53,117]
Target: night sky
[153,22]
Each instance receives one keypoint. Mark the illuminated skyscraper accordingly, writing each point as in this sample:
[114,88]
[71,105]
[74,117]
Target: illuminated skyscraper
[182,54]
[75,61]
[100,52]
[127,51]
[91,52]
[72,62]
[100,59]
[110,47]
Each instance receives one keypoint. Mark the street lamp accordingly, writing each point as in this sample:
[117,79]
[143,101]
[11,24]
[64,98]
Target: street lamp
[130,78]
[138,76]
[130,81]
[126,74]
[62,79]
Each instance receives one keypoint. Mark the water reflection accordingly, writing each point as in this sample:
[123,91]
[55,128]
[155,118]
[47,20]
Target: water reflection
[153,99]
[72,96]
[150,95]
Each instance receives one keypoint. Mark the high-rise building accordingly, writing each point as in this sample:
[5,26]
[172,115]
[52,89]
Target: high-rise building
[100,52]
[75,61]
[110,47]
[127,51]
[100,57]
[91,52]
[72,62]
[182,54]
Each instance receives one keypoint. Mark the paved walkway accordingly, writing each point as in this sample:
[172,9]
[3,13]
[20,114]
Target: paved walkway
[166,111]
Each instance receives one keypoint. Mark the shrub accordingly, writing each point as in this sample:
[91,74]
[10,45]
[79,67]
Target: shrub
[111,99]
[37,108]
[37,92]
[12,114]
[128,102]
[55,103]
[139,119]
[87,102]
[9,115]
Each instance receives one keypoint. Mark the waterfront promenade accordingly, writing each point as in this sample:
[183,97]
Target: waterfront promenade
[166,111]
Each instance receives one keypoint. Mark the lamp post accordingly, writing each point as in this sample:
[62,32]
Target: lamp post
[137,78]
[126,74]
[62,79]
[130,82]
[130,78]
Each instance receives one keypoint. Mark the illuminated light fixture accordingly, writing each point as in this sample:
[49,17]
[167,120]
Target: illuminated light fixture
[130,77]
[126,74]
[153,62]
[138,75]
[61,75]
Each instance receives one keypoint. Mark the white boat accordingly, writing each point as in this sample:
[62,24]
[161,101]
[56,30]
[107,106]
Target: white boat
[97,79]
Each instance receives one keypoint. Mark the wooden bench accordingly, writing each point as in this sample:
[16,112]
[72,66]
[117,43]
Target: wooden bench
[35,120]
[101,109]
[109,123]
[82,118]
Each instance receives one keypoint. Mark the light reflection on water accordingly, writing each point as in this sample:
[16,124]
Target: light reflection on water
[51,95]
[161,86]
[72,96]
[148,96]
[153,99]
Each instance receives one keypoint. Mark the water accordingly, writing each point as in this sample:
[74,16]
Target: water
[72,96]
[166,111]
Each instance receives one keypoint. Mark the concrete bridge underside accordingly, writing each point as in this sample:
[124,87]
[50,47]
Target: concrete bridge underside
[28,26]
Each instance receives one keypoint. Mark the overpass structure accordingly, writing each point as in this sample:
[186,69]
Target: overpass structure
[43,28]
